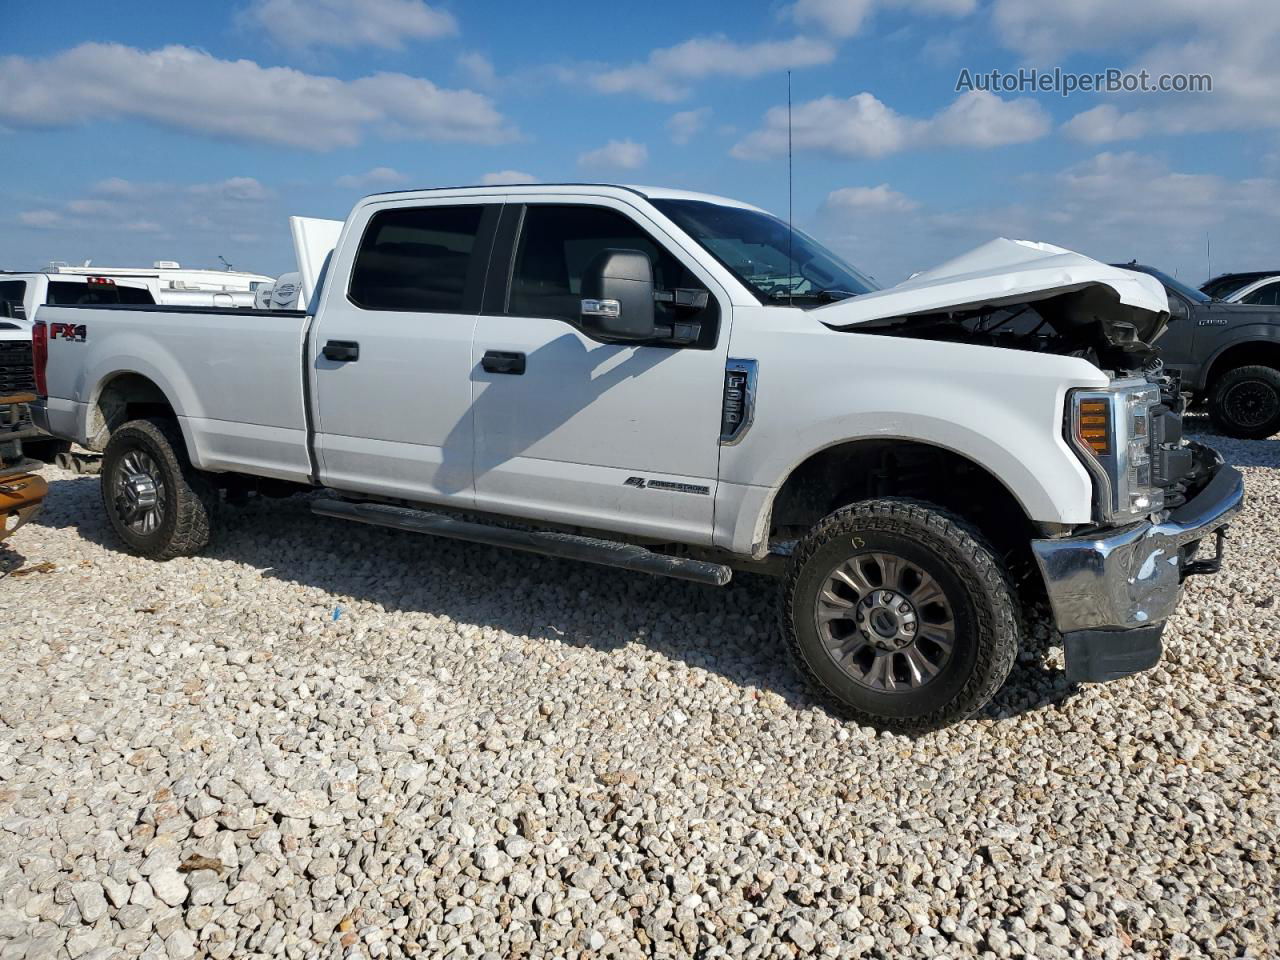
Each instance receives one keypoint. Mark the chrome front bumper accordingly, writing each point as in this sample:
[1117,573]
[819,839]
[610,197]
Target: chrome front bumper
[1131,578]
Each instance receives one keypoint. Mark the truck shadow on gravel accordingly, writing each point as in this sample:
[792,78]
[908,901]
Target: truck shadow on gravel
[729,631]
[1238,453]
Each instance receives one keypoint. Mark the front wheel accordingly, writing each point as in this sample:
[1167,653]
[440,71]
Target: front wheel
[159,505]
[1245,402]
[900,612]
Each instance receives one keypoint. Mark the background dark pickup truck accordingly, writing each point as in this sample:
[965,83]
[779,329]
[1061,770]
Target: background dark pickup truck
[1228,355]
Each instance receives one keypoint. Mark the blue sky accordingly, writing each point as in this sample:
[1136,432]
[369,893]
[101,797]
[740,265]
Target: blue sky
[139,131]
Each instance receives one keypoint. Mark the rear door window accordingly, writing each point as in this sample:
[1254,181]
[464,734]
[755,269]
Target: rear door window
[419,259]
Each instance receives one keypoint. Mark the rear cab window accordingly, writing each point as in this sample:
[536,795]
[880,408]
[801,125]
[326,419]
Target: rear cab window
[66,293]
[12,296]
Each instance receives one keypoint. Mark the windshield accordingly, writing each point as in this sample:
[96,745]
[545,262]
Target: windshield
[1191,293]
[778,264]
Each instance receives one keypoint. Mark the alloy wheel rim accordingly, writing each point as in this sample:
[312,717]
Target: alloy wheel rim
[885,622]
[1251,403]
[139,491]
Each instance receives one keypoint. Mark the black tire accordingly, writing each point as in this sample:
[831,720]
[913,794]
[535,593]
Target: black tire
[977,600]
[1245,402]
[45,449]
[187,501]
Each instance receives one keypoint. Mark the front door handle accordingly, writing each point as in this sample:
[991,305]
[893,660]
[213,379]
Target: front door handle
[498,361]
[342,350]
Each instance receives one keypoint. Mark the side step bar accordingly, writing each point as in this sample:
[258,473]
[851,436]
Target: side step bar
[567,546]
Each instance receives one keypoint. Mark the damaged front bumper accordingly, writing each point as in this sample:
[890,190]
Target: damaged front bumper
[1112,592]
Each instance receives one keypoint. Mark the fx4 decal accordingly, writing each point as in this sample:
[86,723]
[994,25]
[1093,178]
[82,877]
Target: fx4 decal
[76,332]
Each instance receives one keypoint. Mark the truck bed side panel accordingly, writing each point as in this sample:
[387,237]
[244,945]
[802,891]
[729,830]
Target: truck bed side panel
[234,378]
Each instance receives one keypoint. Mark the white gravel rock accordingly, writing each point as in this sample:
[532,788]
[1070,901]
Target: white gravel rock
[487,755]
[168,885]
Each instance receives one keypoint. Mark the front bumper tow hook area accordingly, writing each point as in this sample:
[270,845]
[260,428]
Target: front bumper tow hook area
[1212,564]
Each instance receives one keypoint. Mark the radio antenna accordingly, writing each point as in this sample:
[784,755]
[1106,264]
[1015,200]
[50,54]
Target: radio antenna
[790,221]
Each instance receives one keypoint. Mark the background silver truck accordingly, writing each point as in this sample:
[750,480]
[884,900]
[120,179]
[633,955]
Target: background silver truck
[679,384]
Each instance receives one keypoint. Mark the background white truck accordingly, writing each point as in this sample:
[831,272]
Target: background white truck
[169,276]
[679,384]
[21,296]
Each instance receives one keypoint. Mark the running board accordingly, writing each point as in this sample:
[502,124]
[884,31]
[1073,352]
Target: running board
[566,546]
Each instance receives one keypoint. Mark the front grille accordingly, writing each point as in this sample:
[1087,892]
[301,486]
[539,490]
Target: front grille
[16,372]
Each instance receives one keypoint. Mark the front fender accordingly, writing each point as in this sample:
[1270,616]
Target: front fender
[1000,408]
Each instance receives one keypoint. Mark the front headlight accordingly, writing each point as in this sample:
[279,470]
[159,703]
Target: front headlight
[1111,430]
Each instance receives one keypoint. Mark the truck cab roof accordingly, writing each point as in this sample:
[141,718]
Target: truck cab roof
[570,189]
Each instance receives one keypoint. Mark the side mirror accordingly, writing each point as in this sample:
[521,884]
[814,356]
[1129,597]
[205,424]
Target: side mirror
[1177,307]
[617,297]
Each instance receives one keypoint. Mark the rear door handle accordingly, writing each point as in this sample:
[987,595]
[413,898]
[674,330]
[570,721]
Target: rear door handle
[498,361]
[342,350]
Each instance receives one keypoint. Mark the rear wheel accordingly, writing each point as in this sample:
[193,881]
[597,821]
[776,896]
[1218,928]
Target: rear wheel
[1245,402]
[902,613]
[159,505]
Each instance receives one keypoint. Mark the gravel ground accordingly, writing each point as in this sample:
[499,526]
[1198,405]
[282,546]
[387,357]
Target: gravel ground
[326,739]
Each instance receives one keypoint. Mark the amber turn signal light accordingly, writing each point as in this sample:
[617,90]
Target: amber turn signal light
[1094,426]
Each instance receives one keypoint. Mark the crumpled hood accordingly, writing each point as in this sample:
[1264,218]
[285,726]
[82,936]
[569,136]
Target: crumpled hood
[1000,272]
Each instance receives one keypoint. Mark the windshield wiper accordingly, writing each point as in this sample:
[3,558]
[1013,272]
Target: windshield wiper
[824,296]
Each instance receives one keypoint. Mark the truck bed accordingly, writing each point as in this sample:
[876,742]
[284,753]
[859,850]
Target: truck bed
[235,378]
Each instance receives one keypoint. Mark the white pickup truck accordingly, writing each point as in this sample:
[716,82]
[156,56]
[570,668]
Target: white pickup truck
[679,384]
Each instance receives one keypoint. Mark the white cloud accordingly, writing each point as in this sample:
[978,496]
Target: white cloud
[844,18]
[187,89]
[1114,206]
[667,73]
[377,177]
[1105,123]
[116,187]
[1042,31]
[40,218]
[92,206]
[348,23]
[127,222]
[863,126]
[508,176]
[1137,191]
[686,124]
[1235,42]
[978,119]
[616,155]
[235,189]
[137,207]
[863,199]
[478,69]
